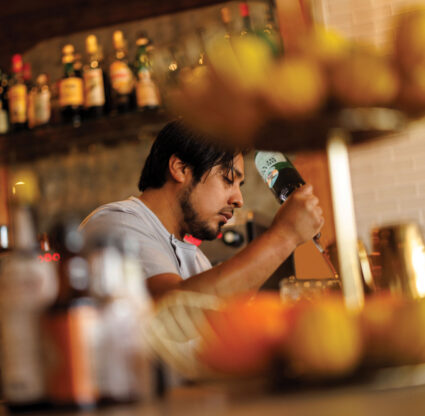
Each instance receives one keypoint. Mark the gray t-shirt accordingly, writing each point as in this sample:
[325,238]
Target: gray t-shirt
[160,251]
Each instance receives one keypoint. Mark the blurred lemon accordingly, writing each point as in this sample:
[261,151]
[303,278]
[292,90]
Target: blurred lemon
[296,87]
[326,339]
[409,39]
[243,61]
[245,334]
[325,45]
[362,80]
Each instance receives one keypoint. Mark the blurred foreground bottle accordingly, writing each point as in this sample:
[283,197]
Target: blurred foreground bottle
[122,80]
[17,94]
[226,19]
[124,368]
[71,96]
[27,286]
[70,326]
[94,80]
[147,92]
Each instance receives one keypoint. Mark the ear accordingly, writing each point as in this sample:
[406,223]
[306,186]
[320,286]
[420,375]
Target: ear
[179,171]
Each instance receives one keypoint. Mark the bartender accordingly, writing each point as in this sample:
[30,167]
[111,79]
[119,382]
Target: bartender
[192,186]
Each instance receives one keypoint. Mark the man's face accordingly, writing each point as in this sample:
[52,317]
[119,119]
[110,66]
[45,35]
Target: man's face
[209,204]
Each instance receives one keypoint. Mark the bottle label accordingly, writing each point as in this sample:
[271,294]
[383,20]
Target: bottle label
[42,109]
[269,164]
[121,78]
[147,93]
[4,122]
[18,103]
[94,91]
[71,92]
[70,341]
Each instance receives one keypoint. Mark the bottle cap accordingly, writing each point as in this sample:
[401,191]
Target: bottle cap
[142,41]
[244,9]
[17,63]
[42,79]
[118,39]
[91,44]
[68,49]
[225,15]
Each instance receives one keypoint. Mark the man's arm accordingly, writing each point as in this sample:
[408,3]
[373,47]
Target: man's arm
[296,222]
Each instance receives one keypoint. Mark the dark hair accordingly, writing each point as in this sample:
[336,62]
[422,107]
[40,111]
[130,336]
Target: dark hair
[198,152]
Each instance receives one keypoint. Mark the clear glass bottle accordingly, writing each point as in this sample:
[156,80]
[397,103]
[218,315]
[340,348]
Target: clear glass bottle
[42,100]
[27,287]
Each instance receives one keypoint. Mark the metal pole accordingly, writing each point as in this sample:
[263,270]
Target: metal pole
[345,224]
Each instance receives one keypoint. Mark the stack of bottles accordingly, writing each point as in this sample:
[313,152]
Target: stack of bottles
[71,320]
[92,88]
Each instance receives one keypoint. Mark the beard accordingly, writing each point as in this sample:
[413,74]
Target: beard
[192,224]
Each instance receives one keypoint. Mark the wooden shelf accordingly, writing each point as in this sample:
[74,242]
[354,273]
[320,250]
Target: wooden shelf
[362,124]
[53,139]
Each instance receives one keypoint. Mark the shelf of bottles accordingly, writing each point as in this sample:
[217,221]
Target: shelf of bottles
[105,97]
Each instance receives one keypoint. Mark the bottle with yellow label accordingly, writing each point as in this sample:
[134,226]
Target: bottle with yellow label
[147,92]
[71,94]
[121,76]
[94,80]
[18,96]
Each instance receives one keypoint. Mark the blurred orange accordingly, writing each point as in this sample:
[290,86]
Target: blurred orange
[325,341]
[246,334]
[363,80]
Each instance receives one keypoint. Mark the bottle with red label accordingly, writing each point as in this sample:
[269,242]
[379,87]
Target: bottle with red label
[94,80]
[121,76]
[18,96]
[71,93]
[70,327]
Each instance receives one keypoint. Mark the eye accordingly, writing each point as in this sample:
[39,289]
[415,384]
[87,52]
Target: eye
[228,180]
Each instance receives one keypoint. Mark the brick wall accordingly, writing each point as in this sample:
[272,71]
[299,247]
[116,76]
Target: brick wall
[388,175]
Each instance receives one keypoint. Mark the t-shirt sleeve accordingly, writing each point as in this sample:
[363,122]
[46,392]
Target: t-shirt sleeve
[153,255]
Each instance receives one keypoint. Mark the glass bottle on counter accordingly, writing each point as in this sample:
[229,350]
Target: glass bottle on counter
[147,92]
[27,286]
[71,96]
[94,85]
[4,119]
[17,95]
[41,100]
[121,76]
[124,370]
[70,326]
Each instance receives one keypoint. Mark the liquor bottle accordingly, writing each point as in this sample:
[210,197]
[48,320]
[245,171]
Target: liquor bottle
[246,21]
[4,119]
[226,19]
[41,99]
[278,173]
[27,287]
[17,96]
[270,33]
[147,92]
[71,96]
[121,76]
[94,86]
[70,326]
[4,113]
[282,179]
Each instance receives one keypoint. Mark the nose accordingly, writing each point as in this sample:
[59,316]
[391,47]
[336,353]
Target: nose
[236,198]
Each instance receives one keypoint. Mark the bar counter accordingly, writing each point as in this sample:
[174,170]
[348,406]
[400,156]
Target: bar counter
[247,400]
